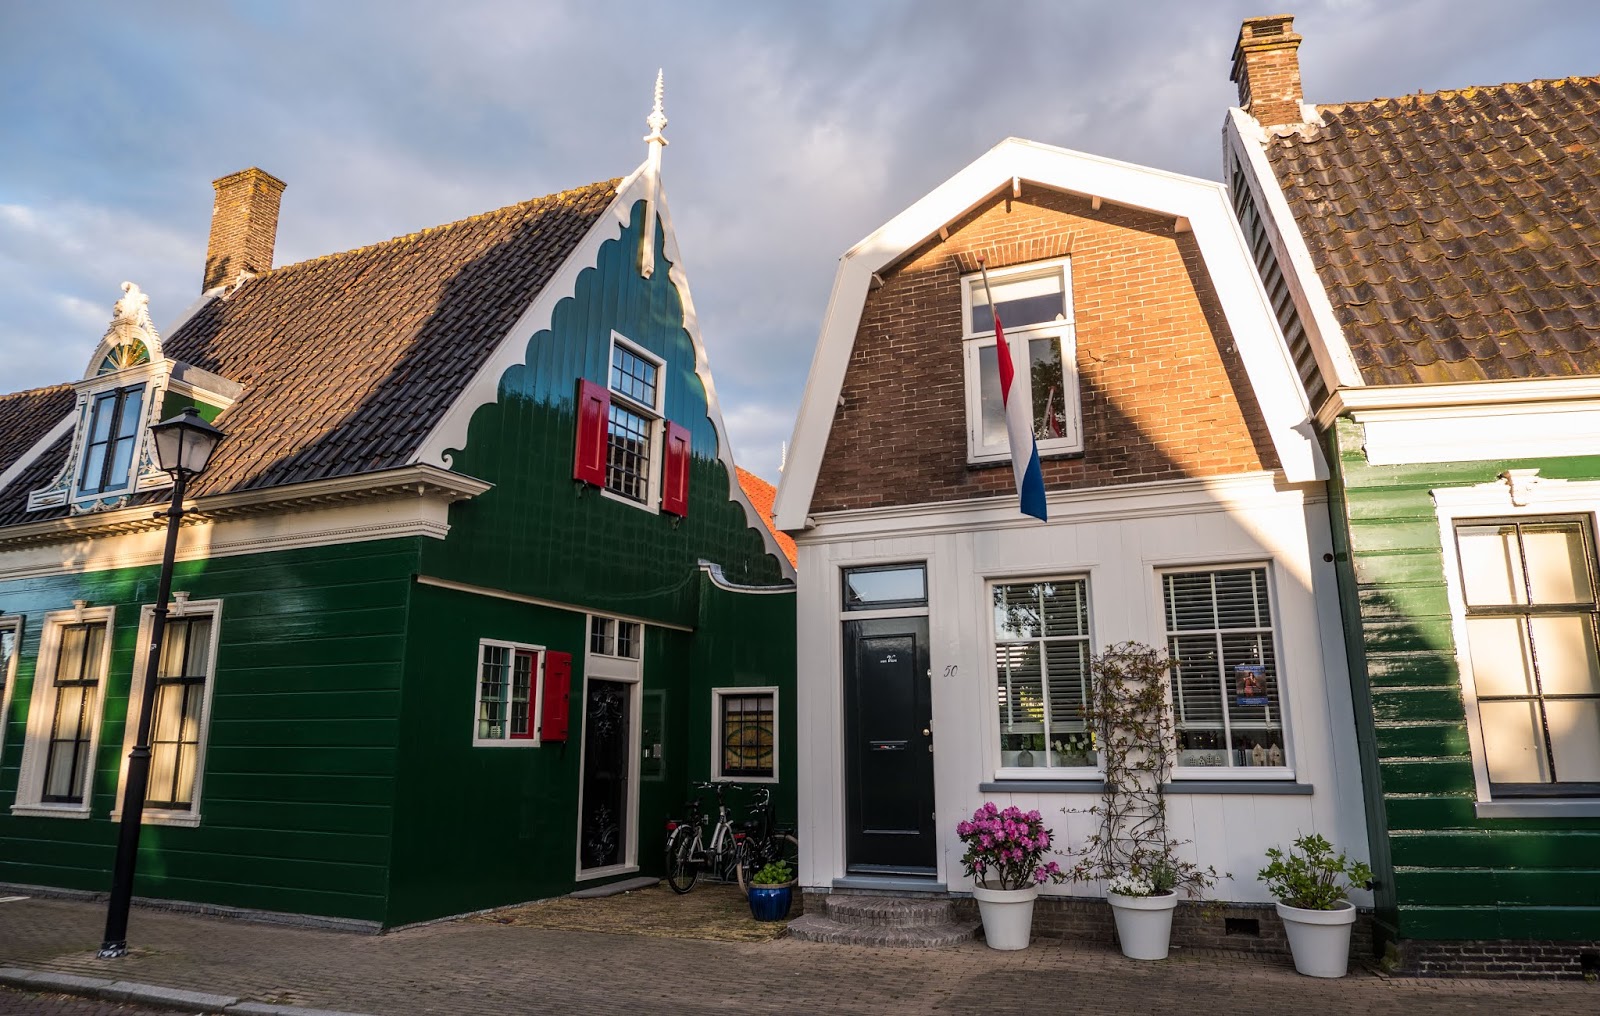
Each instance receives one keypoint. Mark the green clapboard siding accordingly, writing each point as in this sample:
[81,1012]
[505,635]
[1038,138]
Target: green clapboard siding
[1443,873]
[297,798]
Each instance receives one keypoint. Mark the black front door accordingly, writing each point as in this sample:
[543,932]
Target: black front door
[888,747]
[603,834]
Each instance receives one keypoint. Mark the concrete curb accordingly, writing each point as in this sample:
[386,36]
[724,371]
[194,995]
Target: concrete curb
[147,994]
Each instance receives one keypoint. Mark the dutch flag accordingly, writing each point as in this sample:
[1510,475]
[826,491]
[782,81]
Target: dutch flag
[1016,391]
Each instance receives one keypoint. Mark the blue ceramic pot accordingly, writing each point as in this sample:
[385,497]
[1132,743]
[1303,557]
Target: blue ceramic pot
[771,902]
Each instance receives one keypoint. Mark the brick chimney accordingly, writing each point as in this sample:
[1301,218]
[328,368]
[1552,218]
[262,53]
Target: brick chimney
[1266,66]
[244,226]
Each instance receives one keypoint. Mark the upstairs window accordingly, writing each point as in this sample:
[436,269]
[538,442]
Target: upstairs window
[1531,617]
[634,424]
[1035,306]
[610,636]
[111,440]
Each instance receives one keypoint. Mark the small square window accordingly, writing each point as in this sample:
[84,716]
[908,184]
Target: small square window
[609,636]
[885,586]
[747,744]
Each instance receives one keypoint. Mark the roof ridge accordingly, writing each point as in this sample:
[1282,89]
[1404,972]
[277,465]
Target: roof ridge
[442,227]
[41,390]
[1462,91]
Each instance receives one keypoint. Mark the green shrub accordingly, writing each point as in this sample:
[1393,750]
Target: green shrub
[776,873]
[1315,878]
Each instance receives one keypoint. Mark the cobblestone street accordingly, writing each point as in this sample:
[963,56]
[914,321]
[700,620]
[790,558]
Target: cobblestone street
[481,967]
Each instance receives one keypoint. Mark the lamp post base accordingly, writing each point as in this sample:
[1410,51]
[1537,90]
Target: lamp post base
[112,950]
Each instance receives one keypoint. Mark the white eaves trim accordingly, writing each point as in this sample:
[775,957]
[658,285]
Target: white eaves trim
[451,430]
[1244,139]
[62,428]
[1460,394]
[1203,203]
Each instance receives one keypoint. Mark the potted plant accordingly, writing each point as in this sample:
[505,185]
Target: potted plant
[1005,860]
[1131,851]
[772,892]
[1312,885]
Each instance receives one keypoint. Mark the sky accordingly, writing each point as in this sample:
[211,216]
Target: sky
[795,130]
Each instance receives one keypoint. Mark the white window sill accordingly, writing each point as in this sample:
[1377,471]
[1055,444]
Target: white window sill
[51,810]
[744,779]
[643,506]
[163,817]
[1181,773]
[1068,773]
[507,742]
[1540,807]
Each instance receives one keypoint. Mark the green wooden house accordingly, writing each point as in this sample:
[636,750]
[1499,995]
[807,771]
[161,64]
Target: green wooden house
[468,598]
[1435,263]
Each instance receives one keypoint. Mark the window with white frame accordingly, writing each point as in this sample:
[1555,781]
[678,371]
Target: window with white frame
[1041,653]
[746,721]
[1035,308]
[610,636]
[111,440]
[10,646]
[633,431]
[64,713]
[510,684]
[1227,709]
[181,716]
[1531,615]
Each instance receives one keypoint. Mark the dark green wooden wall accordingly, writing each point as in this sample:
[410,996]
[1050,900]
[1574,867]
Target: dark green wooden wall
[299,784]
[1452,875]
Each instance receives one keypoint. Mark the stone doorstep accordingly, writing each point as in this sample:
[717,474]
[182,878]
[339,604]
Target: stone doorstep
[889,912]
[108,990]
[812,928]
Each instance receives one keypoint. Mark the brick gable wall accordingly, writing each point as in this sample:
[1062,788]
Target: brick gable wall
[1163,391]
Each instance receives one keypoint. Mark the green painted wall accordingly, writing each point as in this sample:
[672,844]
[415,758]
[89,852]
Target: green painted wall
[1453,875]
[298,792]
[538,532]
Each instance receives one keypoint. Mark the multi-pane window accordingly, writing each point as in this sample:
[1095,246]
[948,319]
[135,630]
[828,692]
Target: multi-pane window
[1225,668]
[1529,587]
[746,726]
[111,441]
[80,659]
[176,724]
[609,636]
[1041,650]
[507,693]
[634,422]
[1035,308]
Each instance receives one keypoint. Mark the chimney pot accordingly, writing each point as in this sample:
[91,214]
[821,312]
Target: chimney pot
[1266,67]
[244,226]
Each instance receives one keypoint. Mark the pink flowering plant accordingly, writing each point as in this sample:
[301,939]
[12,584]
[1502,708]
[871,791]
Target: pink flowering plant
[1006,849]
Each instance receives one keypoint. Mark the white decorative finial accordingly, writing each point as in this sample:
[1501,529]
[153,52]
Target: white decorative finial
[131,306]
[657,120]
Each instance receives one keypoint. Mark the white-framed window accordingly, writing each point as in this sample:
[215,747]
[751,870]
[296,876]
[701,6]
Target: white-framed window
[64,713]
[1530,616]
[10,649]
[506,710]
[181,720]
[113,428]
[1035,305]
[1041,658]
[614,636]
[634,426]
[745,745]
[1226,700]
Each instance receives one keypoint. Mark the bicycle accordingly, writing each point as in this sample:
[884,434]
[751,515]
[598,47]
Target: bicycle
[687,851]
[765,843]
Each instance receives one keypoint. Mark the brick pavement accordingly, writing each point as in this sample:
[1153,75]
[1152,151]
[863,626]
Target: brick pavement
[471,967]
[22,1003]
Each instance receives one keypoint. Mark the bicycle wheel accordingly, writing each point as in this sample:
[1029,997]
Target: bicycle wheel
[781,847]
[682,868]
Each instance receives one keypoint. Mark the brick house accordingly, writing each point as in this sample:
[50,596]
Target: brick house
[1183,482]
[1434,261]
[467,600]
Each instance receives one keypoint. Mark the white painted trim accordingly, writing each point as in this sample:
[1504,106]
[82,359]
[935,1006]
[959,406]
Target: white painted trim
[655,416]
[1239,291]
[1479,433]
[189,816]
[13,623]
[535,690]
[630,672]
[720,579]
[41,714]
[1532,495]
[717,695]
[1397,401]
[1243,139]
[503,594]
[62,427]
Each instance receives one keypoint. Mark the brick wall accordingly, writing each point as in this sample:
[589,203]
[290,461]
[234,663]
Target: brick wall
[1519,960]
[244,226]
[1164,395]
[1266,67]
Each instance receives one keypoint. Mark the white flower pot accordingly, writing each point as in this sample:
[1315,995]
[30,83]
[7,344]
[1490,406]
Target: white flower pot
[1007,915]
[1144,924]
[1319,939]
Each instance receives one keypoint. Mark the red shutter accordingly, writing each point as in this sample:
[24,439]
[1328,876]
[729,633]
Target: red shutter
[594,411]
[557,692]
[675,471]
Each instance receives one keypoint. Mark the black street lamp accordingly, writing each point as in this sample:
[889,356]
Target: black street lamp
[184,445]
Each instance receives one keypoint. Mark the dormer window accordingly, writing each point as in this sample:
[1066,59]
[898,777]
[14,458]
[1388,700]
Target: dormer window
[113,439]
